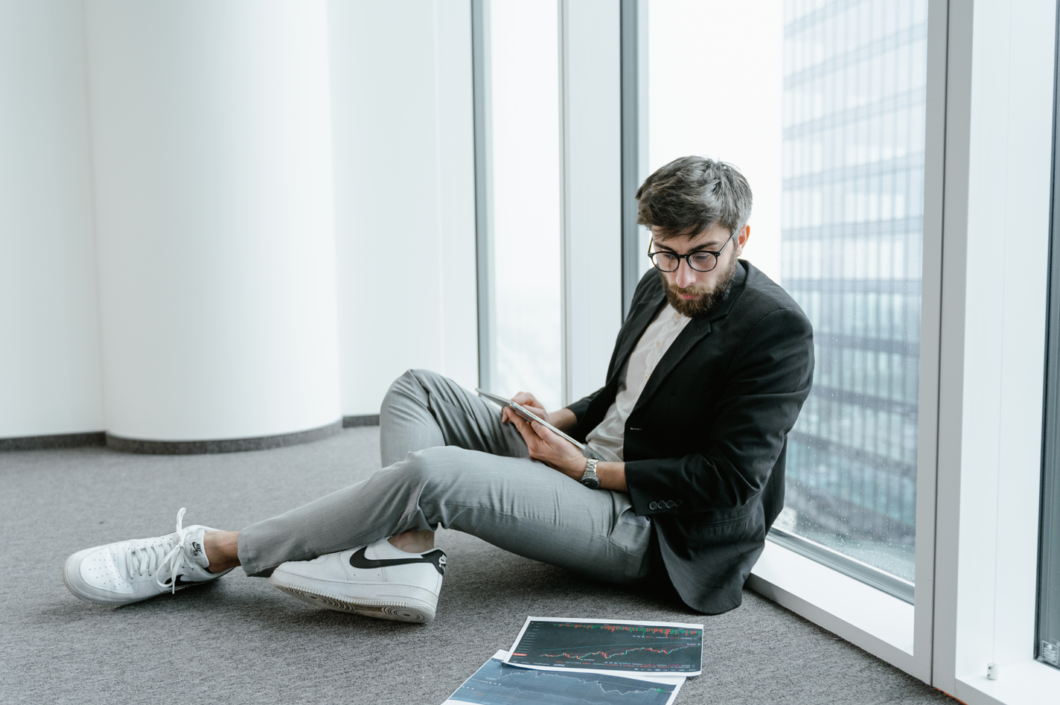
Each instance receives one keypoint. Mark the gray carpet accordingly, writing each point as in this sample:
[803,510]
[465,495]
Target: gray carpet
[241,641]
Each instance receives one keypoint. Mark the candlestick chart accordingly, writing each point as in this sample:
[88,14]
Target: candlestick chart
[499,684]
[612,647]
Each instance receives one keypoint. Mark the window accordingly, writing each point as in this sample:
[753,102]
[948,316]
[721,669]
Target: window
[852,224]
[821,105]
[519,275]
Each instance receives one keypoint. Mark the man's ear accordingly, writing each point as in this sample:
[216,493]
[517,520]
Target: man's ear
[742,238]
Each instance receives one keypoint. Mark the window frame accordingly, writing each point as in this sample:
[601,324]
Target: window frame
[991,388]
[1049,508]
[483,141]
[987,533]
[634,60]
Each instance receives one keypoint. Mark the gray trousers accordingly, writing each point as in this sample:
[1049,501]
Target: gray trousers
[449,461]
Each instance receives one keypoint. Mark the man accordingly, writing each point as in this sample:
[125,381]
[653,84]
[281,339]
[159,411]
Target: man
[682,477]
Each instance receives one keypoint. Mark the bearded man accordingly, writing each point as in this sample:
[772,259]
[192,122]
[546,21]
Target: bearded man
[681,477]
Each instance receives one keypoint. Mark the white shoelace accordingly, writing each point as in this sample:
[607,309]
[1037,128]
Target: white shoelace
[152,557]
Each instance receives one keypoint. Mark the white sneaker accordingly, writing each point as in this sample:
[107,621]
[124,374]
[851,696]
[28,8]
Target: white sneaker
[375,581]
[130,571]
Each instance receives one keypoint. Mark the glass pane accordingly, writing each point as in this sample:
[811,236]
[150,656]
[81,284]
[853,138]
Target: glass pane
[524,104]
[821,105]
[726,109]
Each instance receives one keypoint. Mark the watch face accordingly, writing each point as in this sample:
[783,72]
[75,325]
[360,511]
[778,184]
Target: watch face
[591,482]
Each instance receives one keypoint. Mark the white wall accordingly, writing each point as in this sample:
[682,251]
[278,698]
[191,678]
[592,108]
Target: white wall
[49,343]
[192,173]
[404,183]
[211,130]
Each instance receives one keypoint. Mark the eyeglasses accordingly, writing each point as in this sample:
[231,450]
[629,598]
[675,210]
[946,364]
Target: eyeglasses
[700,260]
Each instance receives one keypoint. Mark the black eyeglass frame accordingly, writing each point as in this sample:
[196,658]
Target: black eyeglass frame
[687,257]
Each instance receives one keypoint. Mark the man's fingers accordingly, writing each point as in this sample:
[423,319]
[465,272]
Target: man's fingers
[526,431]
[529,429]
[543,433]
[529,400]
[519,421]
[536,429]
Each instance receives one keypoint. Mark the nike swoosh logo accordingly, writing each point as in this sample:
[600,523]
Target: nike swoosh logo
[181,582]
[435,558]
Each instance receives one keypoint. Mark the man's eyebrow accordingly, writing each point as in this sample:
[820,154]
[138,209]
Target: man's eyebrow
[711,245]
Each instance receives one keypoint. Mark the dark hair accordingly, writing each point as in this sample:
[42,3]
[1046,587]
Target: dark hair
[691,194]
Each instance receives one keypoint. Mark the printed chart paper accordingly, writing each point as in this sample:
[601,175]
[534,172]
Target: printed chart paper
[615,647]
[497,683]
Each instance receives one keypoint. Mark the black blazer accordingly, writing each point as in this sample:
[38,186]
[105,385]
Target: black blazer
[704,445]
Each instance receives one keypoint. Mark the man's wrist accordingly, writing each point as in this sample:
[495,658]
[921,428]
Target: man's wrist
[563,419]
[577,468]
[612,476]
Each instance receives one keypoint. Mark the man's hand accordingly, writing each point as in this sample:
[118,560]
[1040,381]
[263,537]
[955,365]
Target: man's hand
[530,402]
[558,454]
[546,446]
[564,419]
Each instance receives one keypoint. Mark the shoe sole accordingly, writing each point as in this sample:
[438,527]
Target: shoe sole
[396,608]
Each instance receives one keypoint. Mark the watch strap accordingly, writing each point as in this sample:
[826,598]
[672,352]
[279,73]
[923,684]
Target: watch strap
[589,477]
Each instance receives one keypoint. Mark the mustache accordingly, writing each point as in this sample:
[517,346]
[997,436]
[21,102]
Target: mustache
[688,290]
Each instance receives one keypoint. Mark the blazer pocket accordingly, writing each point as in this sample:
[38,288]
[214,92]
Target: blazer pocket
[734,525]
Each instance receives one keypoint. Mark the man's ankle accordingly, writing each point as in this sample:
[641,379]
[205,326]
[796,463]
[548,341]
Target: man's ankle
[413,541]
[222,550]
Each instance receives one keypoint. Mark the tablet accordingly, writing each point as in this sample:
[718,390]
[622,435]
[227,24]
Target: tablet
[527,414]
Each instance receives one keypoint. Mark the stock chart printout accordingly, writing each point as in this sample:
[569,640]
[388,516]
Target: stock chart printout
[497,683]
[611,647]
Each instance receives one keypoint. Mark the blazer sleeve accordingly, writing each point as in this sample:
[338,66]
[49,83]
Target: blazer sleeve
[582,405]
[767,381]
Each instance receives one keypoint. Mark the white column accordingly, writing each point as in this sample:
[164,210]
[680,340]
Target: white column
[49,341]
[590,68]
[211,133]
[405,193]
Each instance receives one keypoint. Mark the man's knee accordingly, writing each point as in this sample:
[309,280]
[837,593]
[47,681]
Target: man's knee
[422,468]
[405,387]
[426,379]
[404,382]
[411,383]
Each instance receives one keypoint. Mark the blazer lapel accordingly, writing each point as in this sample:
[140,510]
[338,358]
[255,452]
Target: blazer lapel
[640,318]
[695,331]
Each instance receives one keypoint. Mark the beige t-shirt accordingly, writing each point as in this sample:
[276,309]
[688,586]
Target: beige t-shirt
[606,439]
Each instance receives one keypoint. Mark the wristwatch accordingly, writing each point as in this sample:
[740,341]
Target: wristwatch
[589,478]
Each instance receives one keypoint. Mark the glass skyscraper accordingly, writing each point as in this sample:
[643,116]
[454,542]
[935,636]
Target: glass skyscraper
[852,225]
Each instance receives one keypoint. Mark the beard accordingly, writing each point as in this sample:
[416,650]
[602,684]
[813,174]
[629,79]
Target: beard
[708,299]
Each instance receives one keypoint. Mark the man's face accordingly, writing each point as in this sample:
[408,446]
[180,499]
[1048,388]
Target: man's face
[693,293]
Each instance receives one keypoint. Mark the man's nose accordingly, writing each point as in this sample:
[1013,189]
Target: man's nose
[686,276]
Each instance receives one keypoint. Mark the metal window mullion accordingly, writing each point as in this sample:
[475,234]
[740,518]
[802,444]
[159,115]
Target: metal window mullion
[1047,623]
[483,140]
[634,138]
